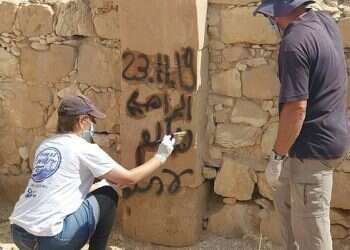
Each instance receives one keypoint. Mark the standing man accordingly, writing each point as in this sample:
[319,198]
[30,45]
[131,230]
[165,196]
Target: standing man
[313,131]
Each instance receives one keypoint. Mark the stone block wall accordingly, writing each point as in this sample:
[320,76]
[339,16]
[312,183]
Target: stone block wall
[52,48]
[243,120]
[49,49]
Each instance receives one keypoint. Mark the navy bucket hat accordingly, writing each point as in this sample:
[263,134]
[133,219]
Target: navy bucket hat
[279,8]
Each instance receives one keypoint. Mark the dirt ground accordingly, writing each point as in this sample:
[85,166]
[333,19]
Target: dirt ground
[119,242]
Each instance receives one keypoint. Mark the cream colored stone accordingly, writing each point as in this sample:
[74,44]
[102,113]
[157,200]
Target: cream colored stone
[39,46]
[20,111]
[109,104]
[256,62]
[264,188]
[103,71]
[35,19]
[230,201]
[9,67]
[235,221]
[74,18]
[239,25]
[24,153]
[107,25]
[235,135]
[7,12]
[235,53]
[227,83]
[270,227]
[103,4]
[216,45]
[344,26]
[339,232]
[40,93]
[179,24]
[222,116]
[248,112]
[269,138]
[8,150]
[260,83]
[216,99]
[173,221]
[51,125]
[341,217]
[68,91]
[341,182]
[47,66]
[234,180]
[209,173]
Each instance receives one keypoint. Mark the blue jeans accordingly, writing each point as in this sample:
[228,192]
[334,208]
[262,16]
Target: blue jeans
[92,221]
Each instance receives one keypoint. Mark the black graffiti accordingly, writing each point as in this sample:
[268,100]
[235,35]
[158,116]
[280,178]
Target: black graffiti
[138,68]
[141,72]
[137,109]
[174,186]
[181,111]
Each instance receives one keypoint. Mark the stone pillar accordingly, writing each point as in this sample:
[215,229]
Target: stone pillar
[164,90]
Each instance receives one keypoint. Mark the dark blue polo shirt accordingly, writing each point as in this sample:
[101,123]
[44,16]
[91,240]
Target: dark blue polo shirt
[312,67]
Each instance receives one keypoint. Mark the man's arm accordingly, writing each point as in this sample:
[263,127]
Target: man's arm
[291,121]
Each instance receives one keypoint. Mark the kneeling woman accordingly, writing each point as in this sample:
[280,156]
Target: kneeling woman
[56,211]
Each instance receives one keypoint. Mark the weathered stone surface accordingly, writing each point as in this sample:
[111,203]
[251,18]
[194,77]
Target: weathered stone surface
[209,173]
[264,188]
[270,227]
[173,221]
[35,19]
[249,112]
[235,221]
[47,66]
[183,24]
[41,94]
[339,232]
[9,67]
[235,53]
[11,187]
[340,217]
[103,4]
[8,14]
[239,25]
[260,82]
[235,179]
[107,25]
[8,149]
[20,110]
[74,18]
[341,182]
[224,100]
[234,135]
[269,138]
[227,83]
[104,70]
[344,26]
[109,104]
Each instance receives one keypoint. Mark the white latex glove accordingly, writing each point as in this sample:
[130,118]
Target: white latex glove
[165,148]
[273,172]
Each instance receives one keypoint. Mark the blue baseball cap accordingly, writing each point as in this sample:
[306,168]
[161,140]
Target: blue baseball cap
[79,105]
[279,8]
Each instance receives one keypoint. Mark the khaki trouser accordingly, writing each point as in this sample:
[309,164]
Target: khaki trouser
[303,203]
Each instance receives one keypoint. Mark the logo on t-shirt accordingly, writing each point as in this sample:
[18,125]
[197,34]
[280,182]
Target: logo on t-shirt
[46,164]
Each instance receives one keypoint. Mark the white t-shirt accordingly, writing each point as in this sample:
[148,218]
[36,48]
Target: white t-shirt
[63,171]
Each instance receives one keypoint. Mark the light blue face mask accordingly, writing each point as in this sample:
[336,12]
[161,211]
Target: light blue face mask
[274,26]
[88,134]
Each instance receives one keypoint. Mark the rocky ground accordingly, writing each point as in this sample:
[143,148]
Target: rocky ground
[119,242]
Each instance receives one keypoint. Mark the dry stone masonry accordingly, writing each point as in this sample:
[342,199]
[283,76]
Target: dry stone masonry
[145,64]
